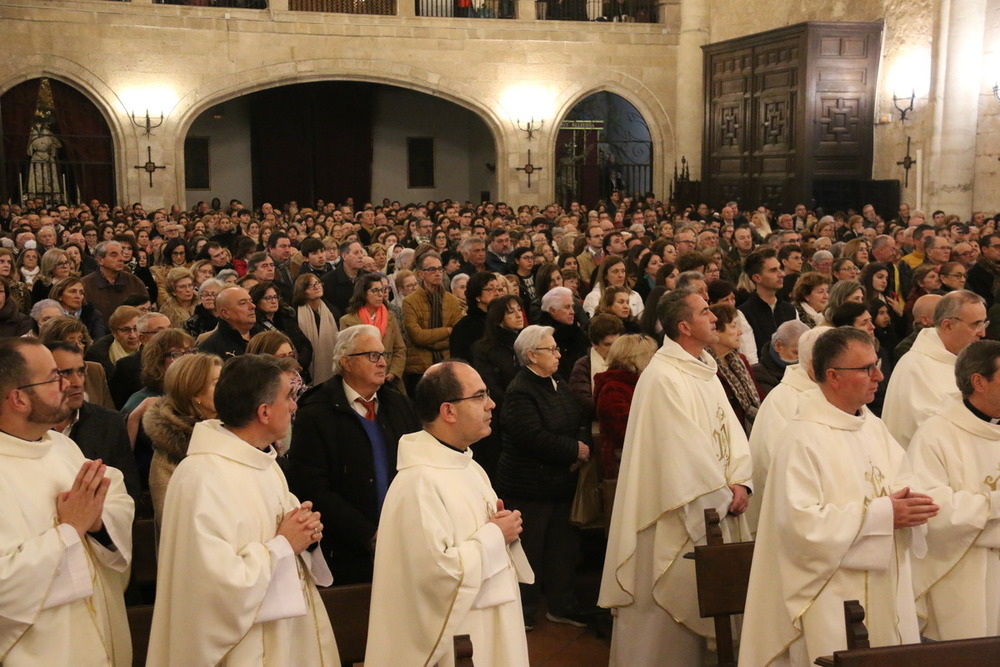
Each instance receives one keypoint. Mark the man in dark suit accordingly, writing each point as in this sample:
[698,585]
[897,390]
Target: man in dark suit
[100,433]
[343,451]
[983,274]
[338,285]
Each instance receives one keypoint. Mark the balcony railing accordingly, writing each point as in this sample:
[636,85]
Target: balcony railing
[229,4]
[382,7]
[626,11]
[473,9]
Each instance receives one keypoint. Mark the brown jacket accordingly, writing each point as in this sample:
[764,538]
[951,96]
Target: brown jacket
[105,296]
[393,342]
[424,341]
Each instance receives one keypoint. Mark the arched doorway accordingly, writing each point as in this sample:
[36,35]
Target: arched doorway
[335,141]
[603,145]
[56,145]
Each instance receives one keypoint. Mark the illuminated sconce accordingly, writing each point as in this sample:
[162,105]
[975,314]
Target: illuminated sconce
[996,92]
[900,109]
[530,127]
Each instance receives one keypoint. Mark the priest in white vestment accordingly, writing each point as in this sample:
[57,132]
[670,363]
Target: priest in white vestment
[925,376]
[66,537]
[837,520]
[685,451]
[237,564]
[777,409]
[956,457]
[447,558]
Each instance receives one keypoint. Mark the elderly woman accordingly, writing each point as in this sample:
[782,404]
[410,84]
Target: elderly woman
[611,273]
[368,306]
[42,312]
[69,292]
[317,325]
[458,286]
[781,352]
[810,297]
[204,319]
[627,357]
[537,472]
[188,398]
[733,368]
[953,276]
[180,304]
[56,265]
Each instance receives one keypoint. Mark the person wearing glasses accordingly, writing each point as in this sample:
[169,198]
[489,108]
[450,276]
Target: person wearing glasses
[99,432]
[55,266]
[925,376]
[121,342]
[368,306]
[318,326]
[343,449]
[836,519]
[73,515]
[537,472]
[429,315]
[463,556]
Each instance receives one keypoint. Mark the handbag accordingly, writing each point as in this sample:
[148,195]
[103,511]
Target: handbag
[587,510]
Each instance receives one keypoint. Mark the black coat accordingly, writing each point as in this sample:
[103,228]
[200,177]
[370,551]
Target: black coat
[537,455]
[330,462]
[466,332]
[100,352]
[767,371]
[226,342]
[763,320]
[338,288]
[201,322]
[497,365]
[572,343]
[101,434]
[125,379]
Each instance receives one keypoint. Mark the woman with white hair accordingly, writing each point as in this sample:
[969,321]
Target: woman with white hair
[781,352]
[537,472]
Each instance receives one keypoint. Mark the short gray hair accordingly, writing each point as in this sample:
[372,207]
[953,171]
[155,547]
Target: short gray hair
[977,358]
[688,277]
[552,298]
[529,339]
[225,273]
[101,249]
[212,282]
[951,304]
[821,255]
[673,309]
[456,278]
[789,332]
[36,310]
[468,242]
[254,260]
[423,258]
[346,340]
[144,319]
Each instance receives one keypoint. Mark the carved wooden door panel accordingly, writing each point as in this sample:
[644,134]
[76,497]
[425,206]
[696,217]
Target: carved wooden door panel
[776,77]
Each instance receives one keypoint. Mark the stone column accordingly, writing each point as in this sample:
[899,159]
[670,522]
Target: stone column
[688,123]
[955,92]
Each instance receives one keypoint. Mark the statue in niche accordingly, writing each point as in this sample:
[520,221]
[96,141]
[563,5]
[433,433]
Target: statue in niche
[43,170]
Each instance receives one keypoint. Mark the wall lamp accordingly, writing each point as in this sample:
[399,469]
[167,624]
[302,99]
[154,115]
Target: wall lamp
[900,109]
[146,124]
[530,127]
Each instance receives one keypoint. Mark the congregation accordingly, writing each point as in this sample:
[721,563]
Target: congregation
[414,396]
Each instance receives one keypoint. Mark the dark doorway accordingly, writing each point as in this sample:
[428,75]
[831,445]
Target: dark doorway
[603,145]
[56,145]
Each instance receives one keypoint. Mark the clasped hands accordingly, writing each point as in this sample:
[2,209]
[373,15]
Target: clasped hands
[82,506]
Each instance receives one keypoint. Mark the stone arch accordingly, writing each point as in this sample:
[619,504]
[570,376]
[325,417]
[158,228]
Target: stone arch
[234,85]
[95,89]
[646,103]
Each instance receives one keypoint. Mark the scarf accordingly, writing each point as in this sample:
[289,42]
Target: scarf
[737,376]
[378,318]
[116,352]
[28,275]
[436,318]
[323,338]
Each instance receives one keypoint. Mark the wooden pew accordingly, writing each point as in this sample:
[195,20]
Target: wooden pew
[956,653]
[142,584]
[140,624]
[722,572]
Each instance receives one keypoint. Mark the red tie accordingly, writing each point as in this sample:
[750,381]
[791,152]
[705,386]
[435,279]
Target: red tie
[369,408]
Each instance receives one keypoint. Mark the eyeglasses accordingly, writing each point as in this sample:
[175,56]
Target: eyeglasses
[955,275]
[432,269]
[978,325]
[59,377]
[127,330]
[483,395]
[554,349]
[376,290]
[64,263]
[271,297]
[372,356]
[313,285]
[70,372]
[870,369]
[177,354]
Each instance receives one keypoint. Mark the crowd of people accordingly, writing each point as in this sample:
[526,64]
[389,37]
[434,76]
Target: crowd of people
[663,352]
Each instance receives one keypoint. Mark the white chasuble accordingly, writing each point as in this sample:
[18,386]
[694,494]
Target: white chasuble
[683,447]
[441,568]
[60,597]
[920,385]
[826,535]
[777,409]
[956,458]
[229,590]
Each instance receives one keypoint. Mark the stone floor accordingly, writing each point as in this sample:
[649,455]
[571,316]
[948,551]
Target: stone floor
[554,645]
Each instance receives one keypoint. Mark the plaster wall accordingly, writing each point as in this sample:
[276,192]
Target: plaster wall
[183,60]
[229,153]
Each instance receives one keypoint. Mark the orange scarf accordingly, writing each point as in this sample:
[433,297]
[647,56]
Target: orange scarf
[378,318]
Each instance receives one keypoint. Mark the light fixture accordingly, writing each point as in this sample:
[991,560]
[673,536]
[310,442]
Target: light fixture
[996,91]
[530,127]
[901,110]
[146,124]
